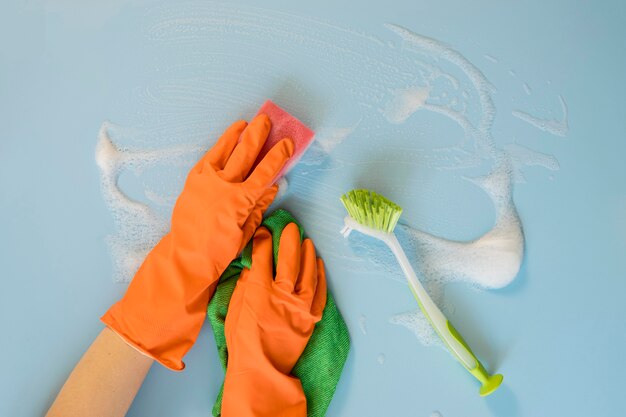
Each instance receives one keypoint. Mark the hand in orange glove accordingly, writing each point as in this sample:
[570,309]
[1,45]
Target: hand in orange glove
[221,205]
[269,324]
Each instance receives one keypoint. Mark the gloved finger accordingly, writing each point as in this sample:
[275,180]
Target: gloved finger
[261,271]
[288,265]
[319,300]
[217,156]
[307,279]
[245,153]
[266,171]
[254,220]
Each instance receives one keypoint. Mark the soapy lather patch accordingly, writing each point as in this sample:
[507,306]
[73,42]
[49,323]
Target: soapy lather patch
[555,127]
[363,324]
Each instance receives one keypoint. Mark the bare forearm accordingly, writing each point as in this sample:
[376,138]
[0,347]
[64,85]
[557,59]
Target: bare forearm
[104,382]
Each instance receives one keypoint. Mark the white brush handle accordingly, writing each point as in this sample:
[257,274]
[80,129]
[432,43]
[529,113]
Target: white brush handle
[450,336]
[429,308]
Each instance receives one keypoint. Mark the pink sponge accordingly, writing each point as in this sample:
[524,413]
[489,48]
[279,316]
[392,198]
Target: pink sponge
[285,125]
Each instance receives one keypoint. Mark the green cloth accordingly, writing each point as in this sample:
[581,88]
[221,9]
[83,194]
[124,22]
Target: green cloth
[322,361]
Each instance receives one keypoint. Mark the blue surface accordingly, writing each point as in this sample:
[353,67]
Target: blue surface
[556,333]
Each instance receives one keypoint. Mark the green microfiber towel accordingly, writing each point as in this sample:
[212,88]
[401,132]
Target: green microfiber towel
[322,361]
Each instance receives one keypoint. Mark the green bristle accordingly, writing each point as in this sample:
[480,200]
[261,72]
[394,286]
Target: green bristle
[372,210]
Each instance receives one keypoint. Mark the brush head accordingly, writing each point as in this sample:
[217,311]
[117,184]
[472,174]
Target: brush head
[372,210]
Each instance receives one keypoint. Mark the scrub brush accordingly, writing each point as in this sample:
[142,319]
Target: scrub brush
[376,216]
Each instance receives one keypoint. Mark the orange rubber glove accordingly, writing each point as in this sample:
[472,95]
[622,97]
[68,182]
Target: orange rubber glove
[268,325]
[216,214]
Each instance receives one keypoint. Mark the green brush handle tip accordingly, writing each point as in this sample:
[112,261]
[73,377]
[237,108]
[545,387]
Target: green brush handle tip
[491,384]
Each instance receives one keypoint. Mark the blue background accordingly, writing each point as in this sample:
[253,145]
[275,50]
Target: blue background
[557,333]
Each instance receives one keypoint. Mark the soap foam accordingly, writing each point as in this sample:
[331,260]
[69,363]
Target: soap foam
[555,127]
[325,141]
[363,323]
[522,156]
[405,102]
[283,188]
[491,58]
[418,324]
[138,226]
[493,260]
[330,137]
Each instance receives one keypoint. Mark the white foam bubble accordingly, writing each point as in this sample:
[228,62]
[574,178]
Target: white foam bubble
[405,102]
[555,127]
[381,358]
[480,130]
[418,324]
[522,156]
[363,323]
[283,188]
[329,137]
[326,140]
[137,226]
[491,261]
[491,58]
